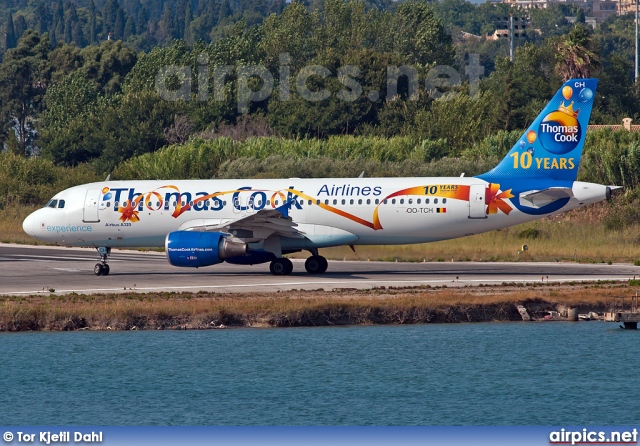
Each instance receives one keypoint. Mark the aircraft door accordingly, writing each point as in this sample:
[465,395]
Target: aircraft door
[477,194]
[90,211]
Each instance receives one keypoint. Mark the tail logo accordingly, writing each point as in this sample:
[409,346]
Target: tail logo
[560,131]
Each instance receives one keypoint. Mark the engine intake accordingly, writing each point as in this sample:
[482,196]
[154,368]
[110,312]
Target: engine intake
[195,249]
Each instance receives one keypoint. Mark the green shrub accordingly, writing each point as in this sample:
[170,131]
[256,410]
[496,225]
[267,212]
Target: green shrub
[34,181]
[530,233]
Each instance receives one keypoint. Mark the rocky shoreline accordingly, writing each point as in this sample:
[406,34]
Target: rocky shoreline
[179,311]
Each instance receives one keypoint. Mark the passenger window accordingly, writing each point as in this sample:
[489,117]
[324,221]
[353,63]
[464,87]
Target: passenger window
[351,201]
[259,203]
[426,201]
[61,204]
[402,201]
[335,201]
[377,201]
[360,201]
[277,202]
[410,200]
[309,202]
[108,204]
[125,204]
[418,201]
[444,200]
[326,201]
[368,201]
[344,201]
[435,201]
[393,201]
[317,201]
[385,201]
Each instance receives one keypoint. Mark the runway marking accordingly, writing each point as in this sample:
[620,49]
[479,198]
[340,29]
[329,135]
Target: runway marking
[55,257]
[331,282]
[128,258]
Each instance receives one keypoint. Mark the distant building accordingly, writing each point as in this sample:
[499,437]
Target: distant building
[591,21]
[626,125]
[498,34]
[599,9]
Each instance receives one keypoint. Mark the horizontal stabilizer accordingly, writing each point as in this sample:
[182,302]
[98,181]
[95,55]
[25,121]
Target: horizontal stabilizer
[540,198]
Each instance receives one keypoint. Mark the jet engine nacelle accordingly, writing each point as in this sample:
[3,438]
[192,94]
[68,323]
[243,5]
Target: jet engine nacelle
[196,248]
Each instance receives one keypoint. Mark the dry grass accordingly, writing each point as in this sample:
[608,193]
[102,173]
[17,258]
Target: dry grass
[575,236]
[297,308]
[11,218]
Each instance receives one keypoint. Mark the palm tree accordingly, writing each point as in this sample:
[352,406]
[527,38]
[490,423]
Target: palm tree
[575,57]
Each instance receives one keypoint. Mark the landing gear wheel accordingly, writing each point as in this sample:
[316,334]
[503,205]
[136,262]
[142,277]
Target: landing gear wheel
[289,266]
[102,268]
[281,267]
[316,265]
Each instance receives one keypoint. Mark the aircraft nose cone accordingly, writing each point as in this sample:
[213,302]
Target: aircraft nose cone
[27,225]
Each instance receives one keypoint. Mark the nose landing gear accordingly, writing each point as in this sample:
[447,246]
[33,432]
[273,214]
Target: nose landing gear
[102,268]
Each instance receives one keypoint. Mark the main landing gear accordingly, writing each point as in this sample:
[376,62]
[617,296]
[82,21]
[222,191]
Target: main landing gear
[316,264]
[102,268]
[283,267]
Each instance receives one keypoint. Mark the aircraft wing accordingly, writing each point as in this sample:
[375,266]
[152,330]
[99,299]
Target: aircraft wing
[540,198]
[254,227]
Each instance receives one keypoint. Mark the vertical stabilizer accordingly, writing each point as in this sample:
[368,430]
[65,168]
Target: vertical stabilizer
[552,145]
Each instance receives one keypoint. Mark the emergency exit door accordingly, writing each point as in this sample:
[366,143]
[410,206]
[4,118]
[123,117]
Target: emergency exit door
[477,194]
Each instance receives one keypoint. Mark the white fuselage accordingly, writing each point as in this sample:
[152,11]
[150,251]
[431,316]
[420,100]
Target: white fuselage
[328,212]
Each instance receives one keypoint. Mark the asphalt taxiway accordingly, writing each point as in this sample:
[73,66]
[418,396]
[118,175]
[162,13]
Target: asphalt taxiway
[39,269]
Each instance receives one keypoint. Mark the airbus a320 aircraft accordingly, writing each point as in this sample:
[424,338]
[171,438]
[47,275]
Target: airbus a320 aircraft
[205,222]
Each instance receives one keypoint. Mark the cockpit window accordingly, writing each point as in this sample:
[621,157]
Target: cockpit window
[60,204]
[52,204]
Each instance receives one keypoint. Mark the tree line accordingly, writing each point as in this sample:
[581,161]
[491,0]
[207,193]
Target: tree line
[99,103]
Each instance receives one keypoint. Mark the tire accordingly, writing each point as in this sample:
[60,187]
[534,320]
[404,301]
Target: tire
[105,270]
[98,270]
[281,267]
[289,267]
[277,267]
[316,265]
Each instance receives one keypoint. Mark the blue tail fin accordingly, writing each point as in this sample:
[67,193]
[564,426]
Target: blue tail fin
[552,145]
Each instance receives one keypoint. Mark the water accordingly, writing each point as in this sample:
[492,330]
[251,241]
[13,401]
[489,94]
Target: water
[439,374]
